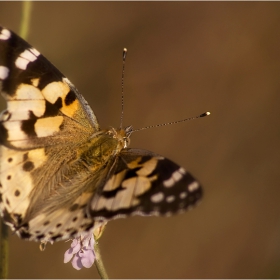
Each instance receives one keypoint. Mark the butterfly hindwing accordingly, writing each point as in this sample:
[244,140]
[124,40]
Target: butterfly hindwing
[144,183]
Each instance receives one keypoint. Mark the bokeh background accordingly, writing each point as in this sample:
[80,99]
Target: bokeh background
[184,58]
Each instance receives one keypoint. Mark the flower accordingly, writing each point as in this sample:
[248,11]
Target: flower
[81,252]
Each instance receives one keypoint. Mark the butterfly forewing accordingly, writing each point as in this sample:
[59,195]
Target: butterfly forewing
[44,111]
[60,175]
[43,107]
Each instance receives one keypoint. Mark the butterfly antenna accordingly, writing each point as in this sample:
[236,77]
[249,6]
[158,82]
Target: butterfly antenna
[168,123]
[123,60]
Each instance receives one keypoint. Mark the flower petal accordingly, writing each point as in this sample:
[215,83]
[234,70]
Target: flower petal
[74,242]
[68,255]
[87,258]
[76,262]
[92,241]
[86,239]
[77,246]
[81,251]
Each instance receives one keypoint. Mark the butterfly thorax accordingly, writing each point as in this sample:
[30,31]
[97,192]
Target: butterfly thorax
[103,146]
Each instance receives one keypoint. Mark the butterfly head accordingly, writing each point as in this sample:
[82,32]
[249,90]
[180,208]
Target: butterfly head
[122,135]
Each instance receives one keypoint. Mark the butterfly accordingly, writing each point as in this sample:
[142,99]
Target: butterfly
[60,173]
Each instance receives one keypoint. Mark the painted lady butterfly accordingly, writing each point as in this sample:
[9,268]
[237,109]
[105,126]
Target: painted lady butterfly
[60,174]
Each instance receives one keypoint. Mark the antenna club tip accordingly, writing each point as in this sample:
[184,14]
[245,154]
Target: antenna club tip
[124,53]
[205,114]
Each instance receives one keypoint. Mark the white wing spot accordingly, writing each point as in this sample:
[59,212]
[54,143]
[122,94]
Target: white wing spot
[170,198]
[193,186]
[21,63]
[4,71]
[25,57]
[168,183]
[5,34]
[35,52]
[175,177]
[182,170]
[183,195]
[158,197]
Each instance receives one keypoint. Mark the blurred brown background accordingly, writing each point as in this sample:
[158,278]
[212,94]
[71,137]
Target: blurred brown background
[184,58]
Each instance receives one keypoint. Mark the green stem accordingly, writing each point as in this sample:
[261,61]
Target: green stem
[3,251]
[99,263]
[25,19]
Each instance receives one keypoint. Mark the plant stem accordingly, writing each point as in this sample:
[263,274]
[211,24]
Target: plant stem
[25,19]
[99,263]
[3,251]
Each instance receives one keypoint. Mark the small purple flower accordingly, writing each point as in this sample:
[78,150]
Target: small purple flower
[81,252]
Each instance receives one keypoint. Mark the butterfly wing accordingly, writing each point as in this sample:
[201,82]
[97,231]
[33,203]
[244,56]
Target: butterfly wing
[144,183]
[43,107]
[44,112]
